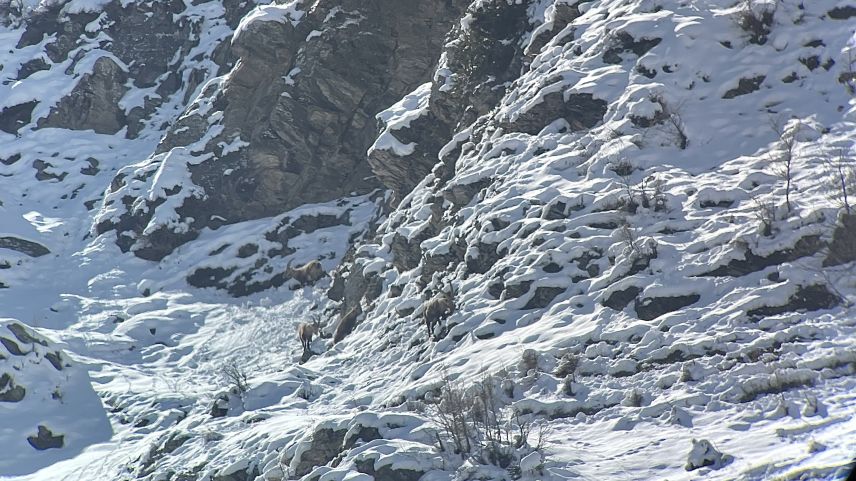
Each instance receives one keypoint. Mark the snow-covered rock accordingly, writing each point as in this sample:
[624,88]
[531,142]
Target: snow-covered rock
[704,454]
[48,409]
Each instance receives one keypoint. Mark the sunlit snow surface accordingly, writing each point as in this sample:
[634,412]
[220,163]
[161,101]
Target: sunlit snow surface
[701,372]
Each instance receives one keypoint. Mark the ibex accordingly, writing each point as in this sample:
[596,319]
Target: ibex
[435,309]
[306,331]
[307,274]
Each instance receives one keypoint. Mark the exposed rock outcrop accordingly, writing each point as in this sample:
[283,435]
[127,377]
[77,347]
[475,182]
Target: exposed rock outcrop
[148,46]
[291,122]
[94,102]
[479,59]
[24,246]
[46,439]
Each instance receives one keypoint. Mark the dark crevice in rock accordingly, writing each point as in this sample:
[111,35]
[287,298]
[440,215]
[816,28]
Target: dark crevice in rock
[248,474]
[745,86]
[94,102]
[15,117]
[24,335]
[705,204]
[842,249]
[485,259]
[806,246]
[325,445]
[348,321]
[581,111]
[43,174]
[12,347]
[652,308]
[55,358]
[462,194]
[564,14]
[618,300]
[169,443]
[9,391]
[91,168]
[10,160]
[308,146]
[387,473]
[624,42]
[443,262]
[513,291]
[209,277]
[365,434]
[842,13]
[807,298]
[495,289]
[543,297]
[484,57]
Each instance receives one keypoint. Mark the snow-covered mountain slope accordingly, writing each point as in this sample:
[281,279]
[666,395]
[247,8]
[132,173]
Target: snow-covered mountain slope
[598,239]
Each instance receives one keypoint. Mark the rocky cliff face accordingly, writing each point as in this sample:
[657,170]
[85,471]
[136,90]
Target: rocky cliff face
[289,124]
[625,224]
[110,48]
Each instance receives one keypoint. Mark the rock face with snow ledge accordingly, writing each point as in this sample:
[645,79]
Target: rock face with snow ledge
[125,59]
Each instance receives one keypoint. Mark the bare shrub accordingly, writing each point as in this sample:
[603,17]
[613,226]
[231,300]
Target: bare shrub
[452,415]
[756,19]
[670,116]
[842,171]
[628,236]
[765,212]
[651,194]
[622,168]
[236,377]
[627,200]
[478,425]
[784,157]
[648,193]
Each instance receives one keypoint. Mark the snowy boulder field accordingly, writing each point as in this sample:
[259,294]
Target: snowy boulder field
[549,240]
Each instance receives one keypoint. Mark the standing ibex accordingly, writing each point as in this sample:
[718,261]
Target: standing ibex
[307,274]
[306,331]
[436,309]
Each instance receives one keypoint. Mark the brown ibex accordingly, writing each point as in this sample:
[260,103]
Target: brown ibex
[306,331]
[436,309]
[307,274]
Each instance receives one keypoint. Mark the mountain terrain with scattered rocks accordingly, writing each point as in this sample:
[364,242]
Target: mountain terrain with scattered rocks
[521,239]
